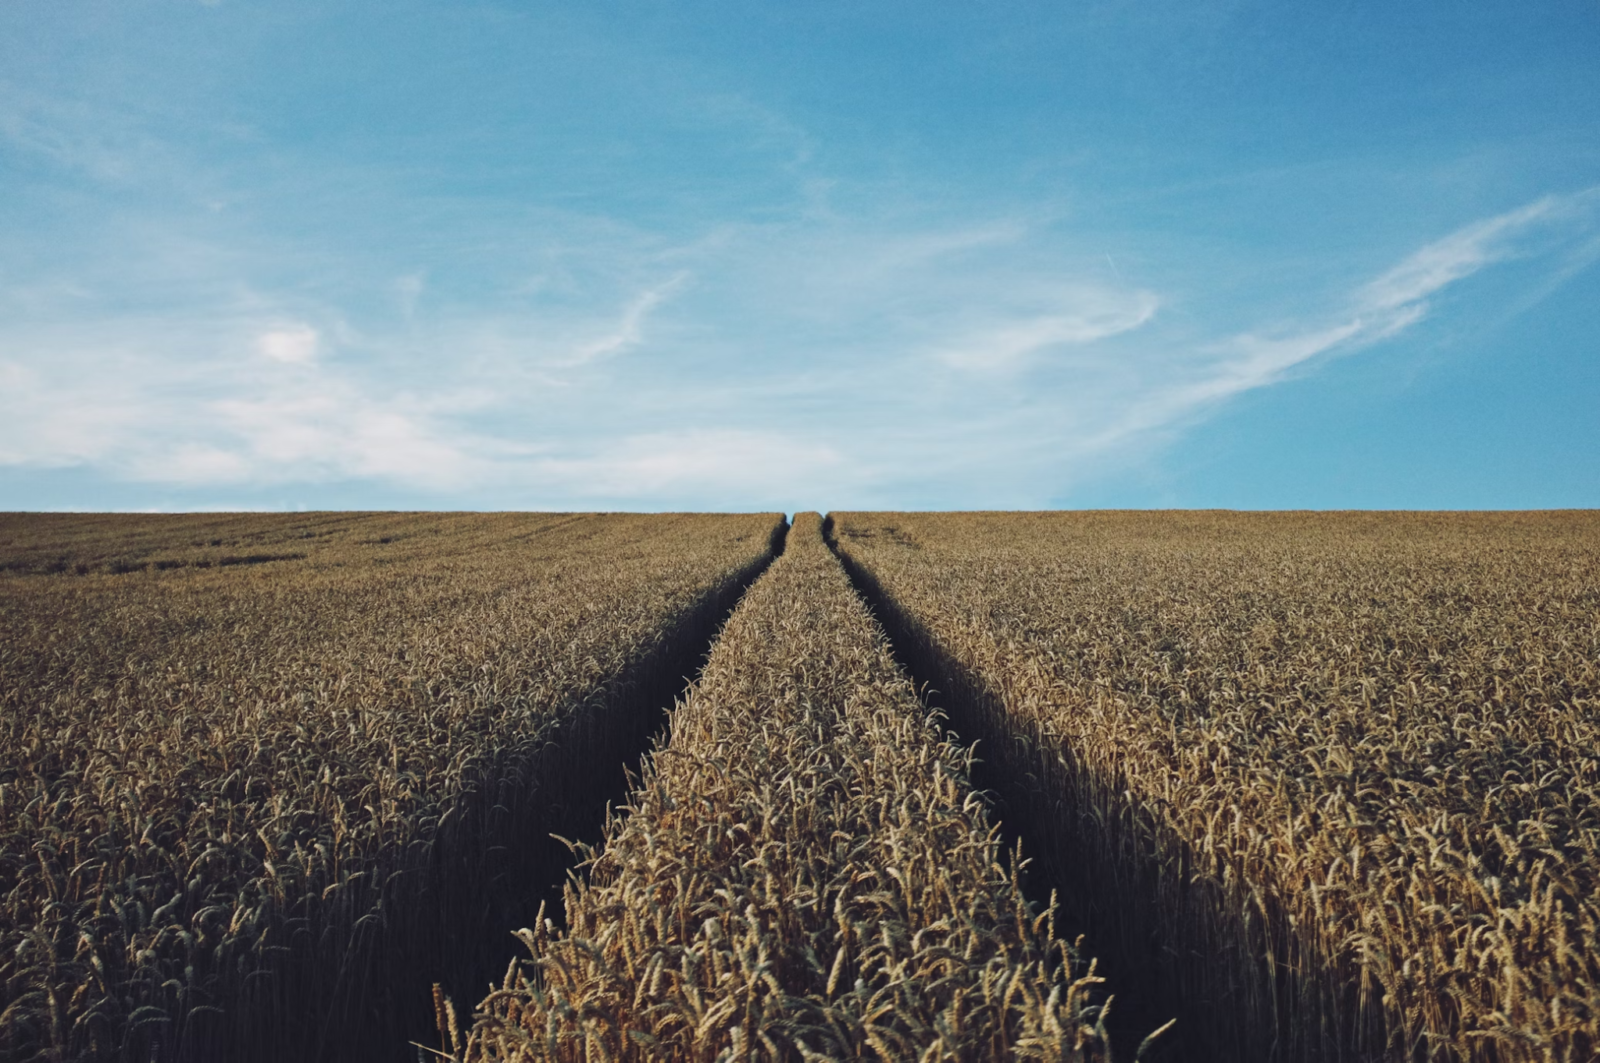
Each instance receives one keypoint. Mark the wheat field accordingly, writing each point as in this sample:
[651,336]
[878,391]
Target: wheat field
[265,778]
[1327,783]
[1287,788]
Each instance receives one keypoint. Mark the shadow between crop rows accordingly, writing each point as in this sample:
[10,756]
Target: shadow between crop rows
[586,769]
[491,864]
[1142,1003]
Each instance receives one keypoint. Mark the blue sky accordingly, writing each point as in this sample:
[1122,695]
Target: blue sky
[813,255]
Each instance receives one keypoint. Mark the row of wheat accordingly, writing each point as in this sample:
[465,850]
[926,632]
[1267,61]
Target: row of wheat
[263,779]
[1329,782]
[803,873]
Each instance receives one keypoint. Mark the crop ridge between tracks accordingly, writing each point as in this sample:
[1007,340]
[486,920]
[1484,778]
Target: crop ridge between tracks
[803,873]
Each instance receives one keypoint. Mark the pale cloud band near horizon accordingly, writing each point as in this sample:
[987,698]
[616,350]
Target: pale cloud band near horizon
[290,403]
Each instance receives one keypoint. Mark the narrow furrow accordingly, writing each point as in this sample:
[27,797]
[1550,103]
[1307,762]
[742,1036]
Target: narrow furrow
[804,873]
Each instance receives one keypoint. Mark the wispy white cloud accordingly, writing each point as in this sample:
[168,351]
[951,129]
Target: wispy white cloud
[1088,315]
[1459,255]
[295,344]
[335,432]
[182,410]
[1379,310]
[628,331]
[840,360]
[58,408]
[721,466]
